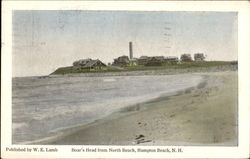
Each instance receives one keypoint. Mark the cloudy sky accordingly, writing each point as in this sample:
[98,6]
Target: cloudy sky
[46,40]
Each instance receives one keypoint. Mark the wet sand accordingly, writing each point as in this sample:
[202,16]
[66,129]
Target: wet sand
[206,115]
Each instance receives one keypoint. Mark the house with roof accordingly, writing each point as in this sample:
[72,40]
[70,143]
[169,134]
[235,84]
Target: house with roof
[186,58]
[143,60]
[199,57]
[159,58]
[121,61]
[155,61]
[171,59]
[81,62]
[90,64]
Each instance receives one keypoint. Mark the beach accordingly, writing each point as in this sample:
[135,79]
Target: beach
[205,115]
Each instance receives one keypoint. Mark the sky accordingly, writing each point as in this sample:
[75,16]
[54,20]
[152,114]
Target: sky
[46,40]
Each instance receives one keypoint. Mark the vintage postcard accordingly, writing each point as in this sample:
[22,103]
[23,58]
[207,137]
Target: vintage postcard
[125,80]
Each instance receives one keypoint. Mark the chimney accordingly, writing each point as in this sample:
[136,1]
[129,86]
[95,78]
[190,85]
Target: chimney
[130,50]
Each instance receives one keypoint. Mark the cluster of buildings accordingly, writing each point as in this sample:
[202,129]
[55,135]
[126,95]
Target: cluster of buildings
[188,57]
[143,60]
[154,60]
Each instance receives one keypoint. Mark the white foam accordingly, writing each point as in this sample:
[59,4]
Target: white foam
[109,79]
[18,125]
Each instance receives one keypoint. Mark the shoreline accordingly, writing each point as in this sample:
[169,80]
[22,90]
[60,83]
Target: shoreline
[168,121]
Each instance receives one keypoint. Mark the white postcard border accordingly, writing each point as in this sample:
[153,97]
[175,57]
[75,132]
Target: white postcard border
[243,9]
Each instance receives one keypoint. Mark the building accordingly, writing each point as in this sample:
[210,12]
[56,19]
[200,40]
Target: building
[81,62]
[95,64]
[186,58]
[121,61]
[155,61]
[143,59]
[199,57]
[159,58]
[90,64]
[171,59]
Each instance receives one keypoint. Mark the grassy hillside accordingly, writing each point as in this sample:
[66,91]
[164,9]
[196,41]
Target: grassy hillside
[182,65]
[71,69]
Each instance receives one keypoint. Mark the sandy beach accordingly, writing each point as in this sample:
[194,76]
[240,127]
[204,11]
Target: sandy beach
[205,115]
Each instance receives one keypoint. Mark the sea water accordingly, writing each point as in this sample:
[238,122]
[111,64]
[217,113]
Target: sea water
[43,106]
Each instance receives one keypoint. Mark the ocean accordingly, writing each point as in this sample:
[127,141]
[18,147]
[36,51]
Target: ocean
[41,107]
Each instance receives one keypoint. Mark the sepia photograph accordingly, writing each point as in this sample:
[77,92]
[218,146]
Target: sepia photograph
[125,80]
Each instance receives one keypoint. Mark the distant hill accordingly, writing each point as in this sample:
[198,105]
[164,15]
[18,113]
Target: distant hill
[180,65]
